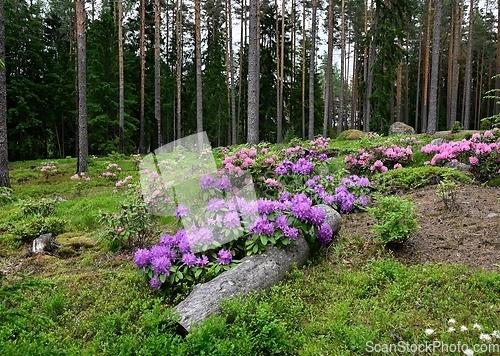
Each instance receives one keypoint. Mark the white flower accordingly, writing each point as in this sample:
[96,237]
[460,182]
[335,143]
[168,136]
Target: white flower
[463,328]
[451,321]
[484,337]
[468,352]
[477,326]
[429,332]
[496,334]
[451,329]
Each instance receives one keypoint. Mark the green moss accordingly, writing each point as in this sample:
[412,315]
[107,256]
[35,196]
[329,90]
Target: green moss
[351,135]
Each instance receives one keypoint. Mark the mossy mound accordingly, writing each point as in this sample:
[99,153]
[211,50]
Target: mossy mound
[75,242]
[494,182]
[351,135]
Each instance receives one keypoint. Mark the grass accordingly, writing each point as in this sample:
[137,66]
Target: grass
[97,303]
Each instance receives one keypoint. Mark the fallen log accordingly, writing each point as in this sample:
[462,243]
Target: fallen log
[253,273]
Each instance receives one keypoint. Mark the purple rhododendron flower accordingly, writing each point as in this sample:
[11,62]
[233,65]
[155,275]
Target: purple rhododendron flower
[155,283]
[142,257]
[285,196]
[291,232]
[189,259]
[281,222]
[224,257]
[215,204]
[265,206]
[325,234]
[317,216]
[329,199]
[232,220]
[303,166]
[181,211]
[301,210]
[310,183]
[224,183]
[159,251]
[202,261]
[167,240]
[207,181]
[363,200]
[161,265]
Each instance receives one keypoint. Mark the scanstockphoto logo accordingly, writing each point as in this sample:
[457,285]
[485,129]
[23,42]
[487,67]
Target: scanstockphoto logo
[181,179]
[434,347]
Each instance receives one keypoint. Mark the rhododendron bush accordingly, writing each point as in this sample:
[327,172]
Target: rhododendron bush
[481,152]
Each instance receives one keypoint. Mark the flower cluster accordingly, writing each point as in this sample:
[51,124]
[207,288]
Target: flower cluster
[379,159]
[372,135]
[410,140]
[111,171]
[82,182]
[320,143]
[48,169]
[242,159]
[123,182]
[480,152]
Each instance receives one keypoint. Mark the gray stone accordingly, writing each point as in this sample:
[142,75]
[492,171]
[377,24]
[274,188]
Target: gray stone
[438,141]
[491,215]
[399,128]
[44,243]
[462,167]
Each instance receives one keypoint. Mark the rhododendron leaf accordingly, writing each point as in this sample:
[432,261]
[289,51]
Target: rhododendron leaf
[163,278]
[197,273]
[263,239]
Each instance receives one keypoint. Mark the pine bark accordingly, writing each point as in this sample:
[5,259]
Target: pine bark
[199,92]
[328,74]
[157,71]
[253,73]
[312,70]
[179,35]
[425,88]
[457,36]
[340,122]
[468,70]
[121,104]
[433,95]
[142,59]
[82,87]
[231,73]
[4,152]
[303,62]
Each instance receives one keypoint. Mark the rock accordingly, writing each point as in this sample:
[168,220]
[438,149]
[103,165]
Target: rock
[491,215]
[438,141]
[44,243]
[399,128]
[353,135]
[253,273]
[462,167]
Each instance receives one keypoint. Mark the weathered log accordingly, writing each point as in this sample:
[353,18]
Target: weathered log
[253,273]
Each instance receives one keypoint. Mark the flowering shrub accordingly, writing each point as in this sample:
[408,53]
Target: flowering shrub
[82,182]
[5,195]
[48,169]
[112,170]
[320,143]
[482,152]
[132,227]
[379,159]
[123,182]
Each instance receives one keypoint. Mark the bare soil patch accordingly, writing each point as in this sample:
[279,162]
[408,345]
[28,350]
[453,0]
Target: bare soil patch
[469,235]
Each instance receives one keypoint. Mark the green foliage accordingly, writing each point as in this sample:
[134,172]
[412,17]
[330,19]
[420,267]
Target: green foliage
[132,227]
[5,195]
[447,191]
[351,135]
[457,127]
[31,228]
[414,177]
[42,207]
[396,219]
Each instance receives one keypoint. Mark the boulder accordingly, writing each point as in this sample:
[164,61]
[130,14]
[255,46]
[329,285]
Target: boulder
[462,167]
[44,243]
[438,141]
[399,128]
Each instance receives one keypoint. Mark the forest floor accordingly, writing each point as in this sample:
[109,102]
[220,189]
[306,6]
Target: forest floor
[468,235]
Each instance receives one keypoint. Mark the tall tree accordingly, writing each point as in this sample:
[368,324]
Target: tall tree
[179,36]
[468,69]
[121,114]
[83,147]
[340,122]
[328,74]
[303,66]
[4,152]
[229,22]
[433,95]
[425,72]
[253,73]
[312,70]
[142,59]
[457,41]
[157,70]
[199,95]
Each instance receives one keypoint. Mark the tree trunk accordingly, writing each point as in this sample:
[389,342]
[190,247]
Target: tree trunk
[497,79]
[83,148]
[468,70]
[427,49]
[121,114]
[253,73]
[157,71]
[142,55]
[457,40]
[4,152]
[199,93]
[281,74]
[433,99]
[340,121]
[312,70]
[304,70]
[231,73]
[328,74]
[419,70]
[179,34]
[399,89]
[253,273]
[240,84]
[279,123]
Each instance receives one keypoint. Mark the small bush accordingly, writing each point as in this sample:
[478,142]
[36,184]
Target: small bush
[5,195]
[31,228]
[396,219]
[457,127]
[42,207]
[447,191]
